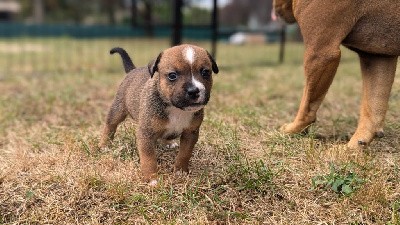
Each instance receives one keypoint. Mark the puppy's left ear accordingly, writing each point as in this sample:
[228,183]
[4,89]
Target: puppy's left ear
[153,65]
[214,65]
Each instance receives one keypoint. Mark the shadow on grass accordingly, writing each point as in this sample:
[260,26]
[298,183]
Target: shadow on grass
[343,137]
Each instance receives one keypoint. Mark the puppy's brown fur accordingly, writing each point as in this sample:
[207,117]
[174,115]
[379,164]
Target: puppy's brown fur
[370,28]
[165,100]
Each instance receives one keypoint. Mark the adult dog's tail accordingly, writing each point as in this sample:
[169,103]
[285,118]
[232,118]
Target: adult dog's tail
[126,60]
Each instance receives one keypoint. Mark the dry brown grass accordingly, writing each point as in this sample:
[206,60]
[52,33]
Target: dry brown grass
[243,170]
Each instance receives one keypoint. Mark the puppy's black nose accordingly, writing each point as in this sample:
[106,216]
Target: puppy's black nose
[193,92]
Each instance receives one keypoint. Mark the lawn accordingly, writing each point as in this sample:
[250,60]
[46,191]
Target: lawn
[55,93]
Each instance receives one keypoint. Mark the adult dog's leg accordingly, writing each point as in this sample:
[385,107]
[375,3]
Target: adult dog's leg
[320,68]
[115,116]
[323,31]
[378,75]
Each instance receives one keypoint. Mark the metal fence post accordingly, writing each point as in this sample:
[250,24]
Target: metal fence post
[134,13]
[214,28]
[282,44]
[177,23]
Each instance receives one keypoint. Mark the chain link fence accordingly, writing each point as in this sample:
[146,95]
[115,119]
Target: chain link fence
[75,37]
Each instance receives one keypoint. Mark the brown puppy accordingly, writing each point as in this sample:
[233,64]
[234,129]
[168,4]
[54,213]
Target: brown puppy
[370,28]
[166,101]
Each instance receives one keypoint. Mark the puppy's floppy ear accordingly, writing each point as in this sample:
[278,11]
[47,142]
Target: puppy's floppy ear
[214,65]
[153,65]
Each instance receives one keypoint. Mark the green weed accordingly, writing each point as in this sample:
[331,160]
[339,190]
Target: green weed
[395,213]
[342,180]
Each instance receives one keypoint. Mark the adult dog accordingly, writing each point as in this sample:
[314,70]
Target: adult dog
[371,29]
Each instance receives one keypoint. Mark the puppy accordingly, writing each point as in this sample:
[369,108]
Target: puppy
[371,29]
[166,100]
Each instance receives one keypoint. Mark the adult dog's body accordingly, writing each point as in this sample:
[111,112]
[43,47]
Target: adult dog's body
[370,28]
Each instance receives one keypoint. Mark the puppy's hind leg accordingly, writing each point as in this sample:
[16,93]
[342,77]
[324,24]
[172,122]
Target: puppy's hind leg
[115,116]
[378,75]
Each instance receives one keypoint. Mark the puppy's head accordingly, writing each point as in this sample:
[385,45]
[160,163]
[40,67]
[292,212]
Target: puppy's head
[185,76]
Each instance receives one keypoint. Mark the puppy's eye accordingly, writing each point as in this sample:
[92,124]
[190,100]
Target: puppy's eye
[205,72]
[172,76]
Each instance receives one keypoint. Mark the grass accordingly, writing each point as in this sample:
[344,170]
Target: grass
[54,94]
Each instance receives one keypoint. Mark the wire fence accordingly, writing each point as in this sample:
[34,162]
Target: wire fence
[64,47]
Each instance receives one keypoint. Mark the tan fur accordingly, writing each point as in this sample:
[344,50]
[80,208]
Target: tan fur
[370,28]
[153,103]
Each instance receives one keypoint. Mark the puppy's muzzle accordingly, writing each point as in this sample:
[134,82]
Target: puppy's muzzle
[193,98]
[193,93]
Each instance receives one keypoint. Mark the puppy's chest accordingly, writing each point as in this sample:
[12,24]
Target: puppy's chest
[178,120]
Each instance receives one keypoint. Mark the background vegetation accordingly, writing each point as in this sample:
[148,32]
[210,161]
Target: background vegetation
[243,170]
[233,12]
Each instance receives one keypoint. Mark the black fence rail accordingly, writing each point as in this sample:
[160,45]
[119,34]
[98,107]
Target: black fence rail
[13,30]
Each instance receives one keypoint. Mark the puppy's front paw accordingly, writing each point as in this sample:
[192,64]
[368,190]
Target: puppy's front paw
[172,145]
[181,173]
[169,144]
[181,167]
[104,143]
[153,183]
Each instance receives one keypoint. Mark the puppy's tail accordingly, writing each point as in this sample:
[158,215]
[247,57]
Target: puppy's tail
[126,60]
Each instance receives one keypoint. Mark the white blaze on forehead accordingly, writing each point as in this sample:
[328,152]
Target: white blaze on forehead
[188,53]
